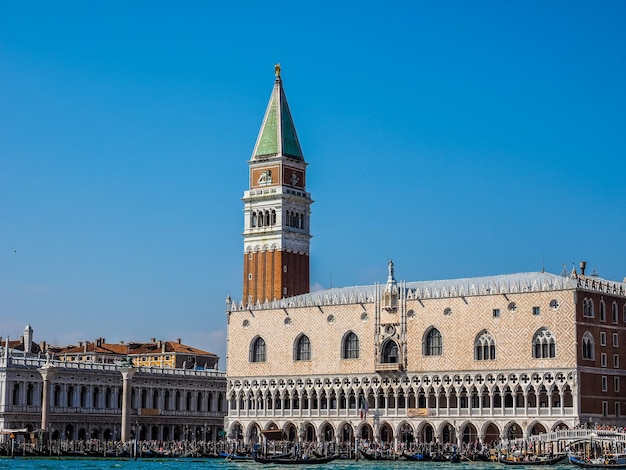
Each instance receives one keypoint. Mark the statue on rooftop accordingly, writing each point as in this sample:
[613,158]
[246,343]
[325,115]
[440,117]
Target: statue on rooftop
[126,362]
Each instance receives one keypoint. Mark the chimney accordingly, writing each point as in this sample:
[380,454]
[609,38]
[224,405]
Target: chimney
[85,346]
[153,340]
[178,340]
[583,265]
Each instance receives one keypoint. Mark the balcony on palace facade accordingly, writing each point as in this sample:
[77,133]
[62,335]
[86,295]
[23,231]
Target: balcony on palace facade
[389,367]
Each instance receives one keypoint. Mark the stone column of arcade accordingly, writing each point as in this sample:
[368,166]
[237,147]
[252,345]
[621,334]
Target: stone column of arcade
[47,372]
[127,375]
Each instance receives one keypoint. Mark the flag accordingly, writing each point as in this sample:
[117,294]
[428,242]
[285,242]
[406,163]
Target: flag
[364,408]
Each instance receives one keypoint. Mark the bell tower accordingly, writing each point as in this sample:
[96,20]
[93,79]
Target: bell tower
[276,234]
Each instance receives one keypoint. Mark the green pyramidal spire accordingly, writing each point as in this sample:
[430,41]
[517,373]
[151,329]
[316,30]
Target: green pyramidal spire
[277,136]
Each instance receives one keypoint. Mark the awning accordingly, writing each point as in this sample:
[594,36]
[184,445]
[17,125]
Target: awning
[14,431]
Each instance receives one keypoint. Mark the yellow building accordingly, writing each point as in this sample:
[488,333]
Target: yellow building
[155,353]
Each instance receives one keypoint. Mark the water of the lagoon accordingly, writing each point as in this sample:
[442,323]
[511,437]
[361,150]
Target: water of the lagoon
[219,464]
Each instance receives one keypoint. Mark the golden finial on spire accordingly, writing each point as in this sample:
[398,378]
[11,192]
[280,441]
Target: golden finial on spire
[277,70]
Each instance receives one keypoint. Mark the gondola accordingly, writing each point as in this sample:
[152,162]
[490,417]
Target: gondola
[534,460]
[380,456]
[417,457]
[296,460]
[605,461]
[236,456]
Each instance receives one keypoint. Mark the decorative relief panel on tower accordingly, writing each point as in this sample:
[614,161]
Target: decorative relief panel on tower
[265,176]
[293,177]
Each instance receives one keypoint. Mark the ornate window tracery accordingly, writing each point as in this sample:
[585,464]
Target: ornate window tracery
[544,344]
[485,347]
[389,352]
[588,351]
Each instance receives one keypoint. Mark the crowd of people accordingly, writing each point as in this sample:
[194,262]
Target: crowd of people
[104,448]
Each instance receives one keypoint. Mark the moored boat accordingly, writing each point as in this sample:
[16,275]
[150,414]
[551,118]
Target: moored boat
[236,456]
[531,459]
[380,456]
[604,461]
[418,457]
[303,460]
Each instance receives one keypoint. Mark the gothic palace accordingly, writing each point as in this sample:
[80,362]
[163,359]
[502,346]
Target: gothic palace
[460,360]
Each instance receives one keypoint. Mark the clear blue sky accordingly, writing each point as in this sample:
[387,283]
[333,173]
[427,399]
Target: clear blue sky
[460,139]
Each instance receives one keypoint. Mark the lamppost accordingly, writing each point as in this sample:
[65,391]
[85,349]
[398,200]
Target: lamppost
[136,438]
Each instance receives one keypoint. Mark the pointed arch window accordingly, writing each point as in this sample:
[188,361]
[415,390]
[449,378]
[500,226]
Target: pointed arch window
[350,349]
[485,347]
[302,350]
[433,343]
[588,351]
[544,344]
[588,308]
[257,350]
[389,352]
